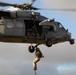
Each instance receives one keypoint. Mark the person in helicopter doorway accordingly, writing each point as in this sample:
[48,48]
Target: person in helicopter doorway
[39,55]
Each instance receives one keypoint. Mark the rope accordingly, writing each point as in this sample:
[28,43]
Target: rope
[35,72]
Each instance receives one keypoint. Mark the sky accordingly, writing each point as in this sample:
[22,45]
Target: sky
[60,59]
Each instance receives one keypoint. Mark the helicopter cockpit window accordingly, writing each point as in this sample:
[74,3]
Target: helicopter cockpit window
[60,25]
[10,24]
[51,28]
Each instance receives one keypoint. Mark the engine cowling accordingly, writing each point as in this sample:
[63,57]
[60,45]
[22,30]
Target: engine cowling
[23,14]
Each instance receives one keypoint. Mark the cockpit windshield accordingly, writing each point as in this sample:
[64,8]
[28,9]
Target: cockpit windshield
[60,25]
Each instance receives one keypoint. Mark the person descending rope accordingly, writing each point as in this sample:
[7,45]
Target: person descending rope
[39,55]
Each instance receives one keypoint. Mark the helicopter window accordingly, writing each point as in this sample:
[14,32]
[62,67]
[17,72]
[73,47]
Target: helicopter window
[51,28]
[60,25]
[19,24]
[10,24]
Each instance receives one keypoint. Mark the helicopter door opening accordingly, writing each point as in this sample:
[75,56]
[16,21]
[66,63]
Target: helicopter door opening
[32,26]
[28,26]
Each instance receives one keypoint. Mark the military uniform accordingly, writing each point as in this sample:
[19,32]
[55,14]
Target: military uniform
[37,58]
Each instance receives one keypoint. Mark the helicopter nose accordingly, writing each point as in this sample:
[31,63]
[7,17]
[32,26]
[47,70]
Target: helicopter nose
[69,34]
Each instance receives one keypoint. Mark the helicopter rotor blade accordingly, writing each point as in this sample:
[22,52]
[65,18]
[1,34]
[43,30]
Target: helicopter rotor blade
[29,6]
[6,4]
[33,1]
[67,10]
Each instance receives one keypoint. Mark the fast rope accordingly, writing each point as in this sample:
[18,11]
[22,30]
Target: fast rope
[35,72]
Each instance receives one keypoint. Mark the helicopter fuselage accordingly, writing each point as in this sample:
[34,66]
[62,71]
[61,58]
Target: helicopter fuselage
[31,27]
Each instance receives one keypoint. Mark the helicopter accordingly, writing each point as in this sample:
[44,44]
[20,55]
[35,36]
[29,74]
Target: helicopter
[27,26]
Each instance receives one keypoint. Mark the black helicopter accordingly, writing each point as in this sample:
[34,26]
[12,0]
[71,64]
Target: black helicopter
[27,26]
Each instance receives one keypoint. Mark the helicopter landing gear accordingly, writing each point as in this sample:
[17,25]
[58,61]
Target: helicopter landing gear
[71,41]
[31,48]
[48,43]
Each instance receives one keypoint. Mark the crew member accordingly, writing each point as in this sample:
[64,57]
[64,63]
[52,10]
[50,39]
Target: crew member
[39,55]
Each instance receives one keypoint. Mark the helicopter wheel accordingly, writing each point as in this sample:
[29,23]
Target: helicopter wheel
[31,49]
[72,41]
[48,43]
